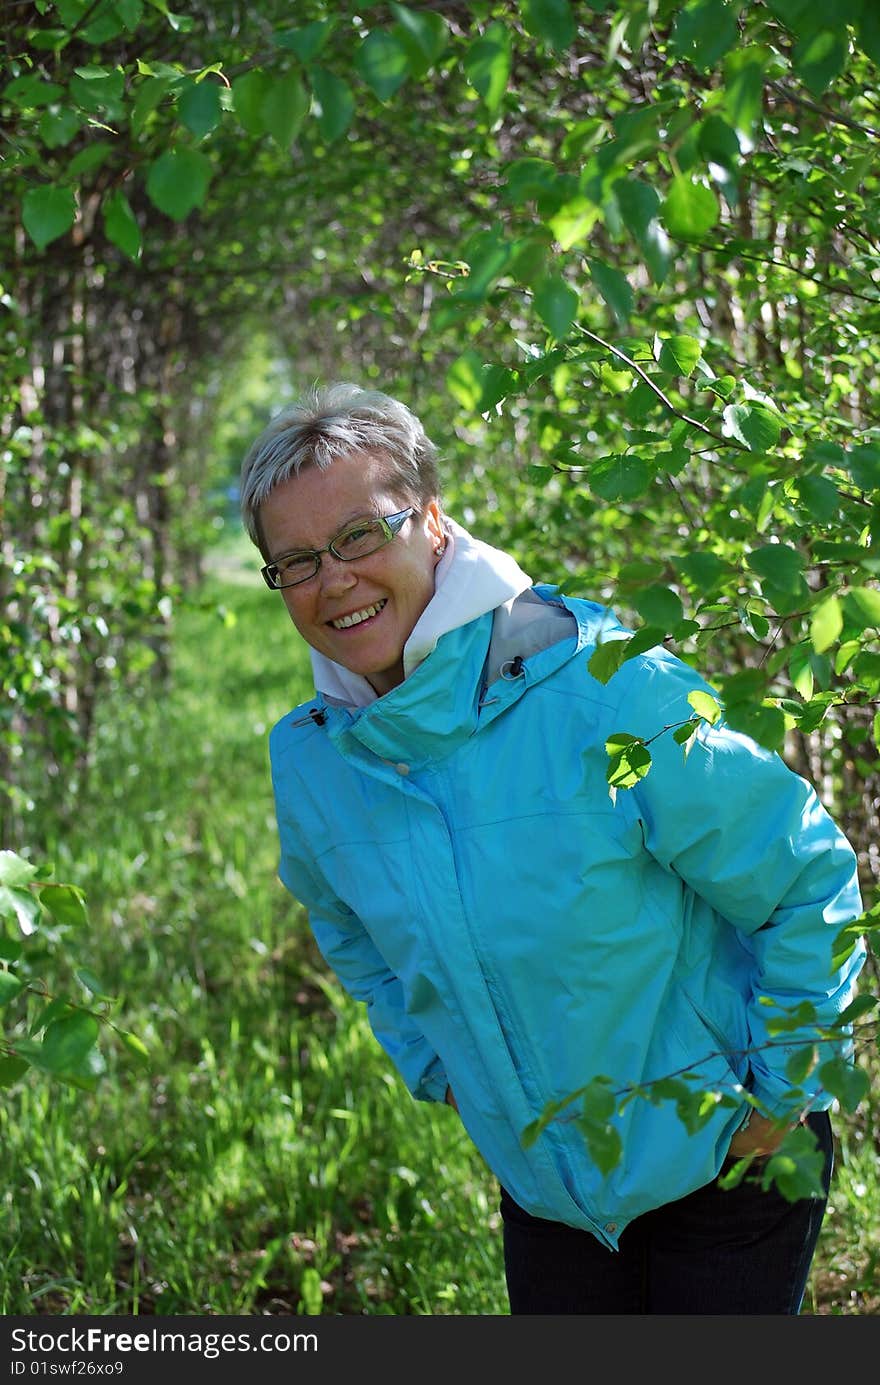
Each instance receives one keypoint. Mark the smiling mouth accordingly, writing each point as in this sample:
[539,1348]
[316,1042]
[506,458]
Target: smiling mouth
[359,617]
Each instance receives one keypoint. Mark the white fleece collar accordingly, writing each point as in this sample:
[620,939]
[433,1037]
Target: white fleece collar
[470,579]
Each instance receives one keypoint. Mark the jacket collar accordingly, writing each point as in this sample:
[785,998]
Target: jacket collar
[446,700]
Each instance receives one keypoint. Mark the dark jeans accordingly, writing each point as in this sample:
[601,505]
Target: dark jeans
[714,1251]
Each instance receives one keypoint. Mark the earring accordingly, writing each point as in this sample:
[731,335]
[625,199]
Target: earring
[440,549]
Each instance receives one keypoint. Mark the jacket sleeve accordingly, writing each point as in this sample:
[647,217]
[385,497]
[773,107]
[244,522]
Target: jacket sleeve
[348,949]
[752,838]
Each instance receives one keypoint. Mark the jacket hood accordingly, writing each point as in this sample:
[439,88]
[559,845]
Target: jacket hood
[471,579]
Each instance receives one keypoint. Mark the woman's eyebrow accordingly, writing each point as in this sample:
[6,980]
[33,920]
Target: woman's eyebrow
[353,519]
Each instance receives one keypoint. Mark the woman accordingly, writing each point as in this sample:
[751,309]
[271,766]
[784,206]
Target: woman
[444,815]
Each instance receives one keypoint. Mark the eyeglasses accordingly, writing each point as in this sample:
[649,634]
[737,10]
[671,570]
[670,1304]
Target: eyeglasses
[356,541]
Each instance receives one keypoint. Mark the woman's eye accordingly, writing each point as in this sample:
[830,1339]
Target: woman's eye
[297,562]
[352,537]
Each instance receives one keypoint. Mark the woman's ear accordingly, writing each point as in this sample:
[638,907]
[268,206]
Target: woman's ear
[433,522]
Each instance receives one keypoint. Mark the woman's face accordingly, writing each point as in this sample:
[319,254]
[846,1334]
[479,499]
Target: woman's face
[308,511]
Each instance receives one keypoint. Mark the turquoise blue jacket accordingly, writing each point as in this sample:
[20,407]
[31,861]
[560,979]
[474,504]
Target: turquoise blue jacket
[515,933]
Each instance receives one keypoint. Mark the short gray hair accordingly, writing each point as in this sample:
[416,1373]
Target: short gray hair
[330,422]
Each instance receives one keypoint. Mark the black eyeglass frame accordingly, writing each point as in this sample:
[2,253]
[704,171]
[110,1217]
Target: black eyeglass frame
[390,525]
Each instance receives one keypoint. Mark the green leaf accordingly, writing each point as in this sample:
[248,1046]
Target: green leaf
[15,870]
[598,1102]
[10,986]
[31,92]
[869,32]
[845,655]
[614,287]
[426,32]
[800,671]
[498,383]
[528,263]
[528,179]
[20,905]
[89,158]
[198,106]
[705,705]
[306,42]
[679,355]
[174,72]
[549,20]
[745,686]
[693,1109]
[718,142]
[668,1089]
[66,903]
[754,425]
[98,90]
[556,303]
[382,62]
[11,1069]
[464,380]
[629,760]
[573,221]
[639,207]
[607,658]
[800,1064]
[620,477]
[766,725]
[58,128]
[703,32]
[796,1167]
[862,1005]
[47,212]
[863,464]
[684,734]
[10,949]
[178,182]
[149,94]
[799,16]
[604,1145]
[646,637]
[92,984]
[67,1043]
[820,496]
[659,606]
[135,1045]
[284,108]
[336,101]
[105,26]
[120,225]
[779,563]
[757,625]
[849,1084]
[56,1008]
[826,623]
[130,12]
[863,606]
[819,58]
[487,255]
[248,94]
[487,64]
[845,943]
[690,210]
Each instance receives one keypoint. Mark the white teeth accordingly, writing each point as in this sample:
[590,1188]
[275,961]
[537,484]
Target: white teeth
[345,622]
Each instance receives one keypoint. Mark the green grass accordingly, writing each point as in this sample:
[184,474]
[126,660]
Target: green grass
[268,1161]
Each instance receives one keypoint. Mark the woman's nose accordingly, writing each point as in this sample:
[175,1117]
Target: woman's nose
[335,576]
